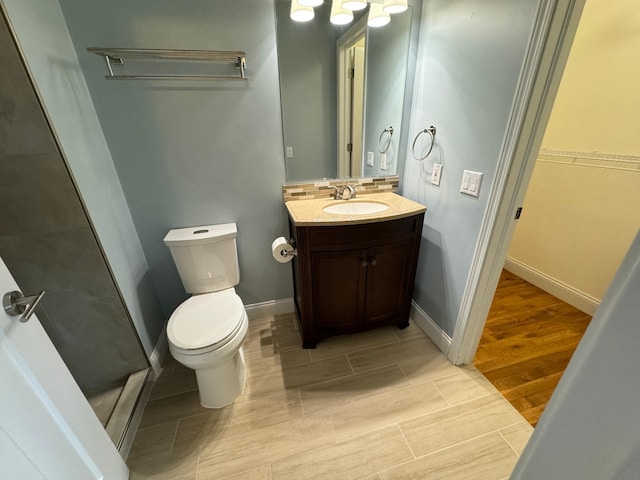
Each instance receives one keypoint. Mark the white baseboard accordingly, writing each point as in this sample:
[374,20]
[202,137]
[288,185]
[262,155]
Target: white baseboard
[159,353]
[430,328]
[270,308]
[555,287]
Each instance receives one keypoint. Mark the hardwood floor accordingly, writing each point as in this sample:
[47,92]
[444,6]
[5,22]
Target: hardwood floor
[527,343]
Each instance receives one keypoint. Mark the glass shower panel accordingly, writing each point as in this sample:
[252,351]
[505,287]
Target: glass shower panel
[48,244]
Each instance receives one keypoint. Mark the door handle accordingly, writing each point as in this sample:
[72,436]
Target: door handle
[15,303]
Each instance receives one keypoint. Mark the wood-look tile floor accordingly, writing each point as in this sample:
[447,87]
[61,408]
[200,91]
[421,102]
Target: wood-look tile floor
[527,343]
[381,405]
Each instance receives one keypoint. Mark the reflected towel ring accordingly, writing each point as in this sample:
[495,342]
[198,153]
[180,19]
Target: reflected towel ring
[431,131]
[390,132]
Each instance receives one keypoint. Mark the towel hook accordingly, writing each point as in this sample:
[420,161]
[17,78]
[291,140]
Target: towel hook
[390,132]
[432,132]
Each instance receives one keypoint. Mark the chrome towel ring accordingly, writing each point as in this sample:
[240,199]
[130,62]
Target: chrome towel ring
[390,132]
[432,132]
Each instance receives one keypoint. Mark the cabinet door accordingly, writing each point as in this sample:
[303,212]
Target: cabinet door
[339,280]
[386,290]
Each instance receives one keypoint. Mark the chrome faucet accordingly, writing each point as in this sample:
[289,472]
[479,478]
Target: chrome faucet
[352,191]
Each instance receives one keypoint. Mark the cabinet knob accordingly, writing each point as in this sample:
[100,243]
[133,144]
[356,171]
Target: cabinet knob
[373,261]
[363,263]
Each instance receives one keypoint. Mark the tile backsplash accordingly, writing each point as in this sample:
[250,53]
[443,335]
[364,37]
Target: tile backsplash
[319,189]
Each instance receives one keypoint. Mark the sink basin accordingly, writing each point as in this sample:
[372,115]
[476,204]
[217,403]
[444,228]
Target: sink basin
[356,207]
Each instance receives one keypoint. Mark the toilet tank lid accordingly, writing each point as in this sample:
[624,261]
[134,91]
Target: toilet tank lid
[200,235]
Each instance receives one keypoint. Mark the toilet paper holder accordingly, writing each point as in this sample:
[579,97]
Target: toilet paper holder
[283,250]
[286,253]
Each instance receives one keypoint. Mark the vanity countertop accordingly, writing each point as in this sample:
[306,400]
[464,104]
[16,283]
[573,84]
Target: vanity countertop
[311,212]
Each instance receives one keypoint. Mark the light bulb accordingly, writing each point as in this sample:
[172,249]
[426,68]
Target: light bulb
[310,3]
[394,6]
[301,13]
[339,15]
[377,18]
[354,4]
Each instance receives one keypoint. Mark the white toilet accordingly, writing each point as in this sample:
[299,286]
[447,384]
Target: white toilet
[206,331]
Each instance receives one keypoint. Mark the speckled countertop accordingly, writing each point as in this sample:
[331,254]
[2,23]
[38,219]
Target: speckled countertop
[310,212]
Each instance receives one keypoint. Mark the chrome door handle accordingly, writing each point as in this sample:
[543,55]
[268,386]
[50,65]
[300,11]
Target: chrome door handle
[15,303]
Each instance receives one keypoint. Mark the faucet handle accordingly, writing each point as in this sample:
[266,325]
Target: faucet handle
[338,193]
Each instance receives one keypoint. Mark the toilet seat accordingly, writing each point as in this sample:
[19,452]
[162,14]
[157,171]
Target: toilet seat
[206,322]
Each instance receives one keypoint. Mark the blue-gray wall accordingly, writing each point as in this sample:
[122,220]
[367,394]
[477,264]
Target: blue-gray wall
[193,153]
[469,61]
[591,427]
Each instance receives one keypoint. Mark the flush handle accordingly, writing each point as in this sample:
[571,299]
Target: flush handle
[15,303]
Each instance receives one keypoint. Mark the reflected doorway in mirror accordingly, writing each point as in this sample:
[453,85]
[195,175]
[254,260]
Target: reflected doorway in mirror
[351,51]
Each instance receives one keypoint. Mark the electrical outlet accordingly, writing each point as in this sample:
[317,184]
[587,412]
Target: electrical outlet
[383,161]
[370,159]
[436,174]
[289,152]
[471,183]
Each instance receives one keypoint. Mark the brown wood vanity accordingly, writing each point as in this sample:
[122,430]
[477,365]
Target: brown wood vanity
[354,275]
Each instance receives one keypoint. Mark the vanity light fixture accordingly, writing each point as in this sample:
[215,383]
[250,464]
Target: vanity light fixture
[301,13]
[340,15]
[311,3]
[377,17]
[394,6]
[354,4]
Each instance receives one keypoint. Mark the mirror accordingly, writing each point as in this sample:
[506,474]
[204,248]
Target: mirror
[342,90]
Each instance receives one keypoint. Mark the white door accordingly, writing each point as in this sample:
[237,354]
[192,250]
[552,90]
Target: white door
[47,428]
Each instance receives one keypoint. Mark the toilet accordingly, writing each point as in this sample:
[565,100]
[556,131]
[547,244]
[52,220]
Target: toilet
[206,331]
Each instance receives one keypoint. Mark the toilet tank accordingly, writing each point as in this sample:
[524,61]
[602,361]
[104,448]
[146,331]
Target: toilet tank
[206,257]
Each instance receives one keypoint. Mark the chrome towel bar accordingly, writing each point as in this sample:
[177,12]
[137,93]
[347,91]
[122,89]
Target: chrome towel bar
[117,56]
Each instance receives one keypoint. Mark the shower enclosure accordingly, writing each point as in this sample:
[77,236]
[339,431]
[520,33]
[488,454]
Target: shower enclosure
[48,243]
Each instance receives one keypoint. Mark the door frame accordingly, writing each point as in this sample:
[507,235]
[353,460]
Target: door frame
[546,56]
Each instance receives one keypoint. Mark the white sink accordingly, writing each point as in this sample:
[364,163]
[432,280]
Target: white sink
[356,207]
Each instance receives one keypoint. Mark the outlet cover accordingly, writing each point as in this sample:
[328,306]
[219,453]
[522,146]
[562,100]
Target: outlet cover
[435,175]
[383,161]
[289,152]
[370,159]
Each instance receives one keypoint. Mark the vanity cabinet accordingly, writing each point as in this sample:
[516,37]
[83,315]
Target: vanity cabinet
[349,278]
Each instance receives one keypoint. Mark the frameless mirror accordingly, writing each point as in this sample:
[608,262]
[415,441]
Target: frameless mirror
[342,90]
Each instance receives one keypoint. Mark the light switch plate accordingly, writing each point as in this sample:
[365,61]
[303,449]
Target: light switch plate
[383,161]
[370,159]
[471,183]
[436,174]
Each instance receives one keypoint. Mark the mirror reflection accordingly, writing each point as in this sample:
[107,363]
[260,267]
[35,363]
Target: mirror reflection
[342,90]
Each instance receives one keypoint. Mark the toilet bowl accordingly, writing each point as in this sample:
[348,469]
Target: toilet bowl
[206,333]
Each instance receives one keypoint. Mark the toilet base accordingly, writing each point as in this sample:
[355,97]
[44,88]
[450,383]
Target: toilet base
[222,384]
